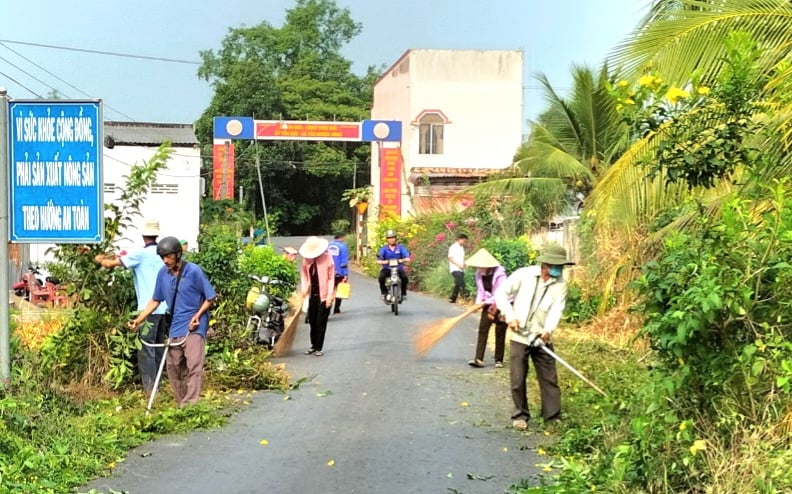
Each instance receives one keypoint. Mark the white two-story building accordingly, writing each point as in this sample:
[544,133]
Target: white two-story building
[462,119]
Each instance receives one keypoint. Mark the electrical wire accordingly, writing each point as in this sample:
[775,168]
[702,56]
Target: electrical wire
[21,85]
[100,52]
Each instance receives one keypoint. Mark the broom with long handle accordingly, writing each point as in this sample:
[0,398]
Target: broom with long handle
[430,335]
[284,343]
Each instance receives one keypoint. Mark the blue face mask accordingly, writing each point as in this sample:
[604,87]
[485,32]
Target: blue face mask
[556,271]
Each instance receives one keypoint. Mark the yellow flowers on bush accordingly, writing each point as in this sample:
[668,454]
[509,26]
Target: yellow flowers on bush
[33,331]
[674,94]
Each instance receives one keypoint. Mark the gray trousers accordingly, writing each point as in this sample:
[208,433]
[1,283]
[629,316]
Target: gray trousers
[149,358]
[185,369]
[546,374]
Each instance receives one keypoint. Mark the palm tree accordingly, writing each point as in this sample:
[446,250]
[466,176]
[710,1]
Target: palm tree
[683,37]
[571,143]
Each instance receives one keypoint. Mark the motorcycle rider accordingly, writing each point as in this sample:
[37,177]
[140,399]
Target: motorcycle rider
[392,250]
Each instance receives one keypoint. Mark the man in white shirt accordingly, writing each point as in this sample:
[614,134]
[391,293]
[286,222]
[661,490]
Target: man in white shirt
[538,299]
[456,264]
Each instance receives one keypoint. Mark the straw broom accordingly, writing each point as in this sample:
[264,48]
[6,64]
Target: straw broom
[284,343]
[428,337]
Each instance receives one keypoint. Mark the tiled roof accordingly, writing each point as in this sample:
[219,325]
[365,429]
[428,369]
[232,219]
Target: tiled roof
[419,172]
[153,134]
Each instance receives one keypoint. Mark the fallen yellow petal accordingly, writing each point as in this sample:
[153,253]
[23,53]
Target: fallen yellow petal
[331,463]
[464,404]
[541,452]
[263,442]
[548,468]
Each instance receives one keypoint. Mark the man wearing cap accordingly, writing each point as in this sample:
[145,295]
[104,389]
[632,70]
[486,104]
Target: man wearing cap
[145,264]
[318,277]
[539,297]
[340,252]
[392,250]
[489,275]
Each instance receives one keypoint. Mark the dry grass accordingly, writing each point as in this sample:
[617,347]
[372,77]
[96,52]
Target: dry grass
[617,327]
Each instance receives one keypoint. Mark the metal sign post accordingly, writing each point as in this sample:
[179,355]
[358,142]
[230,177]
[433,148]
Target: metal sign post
[5,337]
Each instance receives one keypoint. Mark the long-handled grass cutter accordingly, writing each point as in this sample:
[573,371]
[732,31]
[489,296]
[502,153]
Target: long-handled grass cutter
[167,345]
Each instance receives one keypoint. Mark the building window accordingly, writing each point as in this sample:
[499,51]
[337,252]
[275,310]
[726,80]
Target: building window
[430,129]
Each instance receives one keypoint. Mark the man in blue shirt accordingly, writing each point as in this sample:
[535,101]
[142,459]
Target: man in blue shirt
[392,250]
[186,289]
[145,264]
[340,252]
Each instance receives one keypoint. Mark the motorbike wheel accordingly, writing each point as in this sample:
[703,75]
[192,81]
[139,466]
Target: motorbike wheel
[395,299]
[252,328]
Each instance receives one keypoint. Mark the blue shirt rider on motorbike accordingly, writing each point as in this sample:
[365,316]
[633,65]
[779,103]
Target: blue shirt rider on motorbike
[392,250]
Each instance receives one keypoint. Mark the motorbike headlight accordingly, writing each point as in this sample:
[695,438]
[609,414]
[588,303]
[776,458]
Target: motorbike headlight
[261,303]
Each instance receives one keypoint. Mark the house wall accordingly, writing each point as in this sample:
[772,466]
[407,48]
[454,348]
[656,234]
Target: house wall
[480,93]
[174,200]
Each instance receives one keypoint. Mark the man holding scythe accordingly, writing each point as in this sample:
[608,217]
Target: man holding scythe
[539,297]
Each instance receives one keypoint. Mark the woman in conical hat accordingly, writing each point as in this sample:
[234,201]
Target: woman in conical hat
[317,276]
[489,274]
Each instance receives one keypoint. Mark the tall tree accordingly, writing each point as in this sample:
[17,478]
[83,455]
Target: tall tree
[293,72]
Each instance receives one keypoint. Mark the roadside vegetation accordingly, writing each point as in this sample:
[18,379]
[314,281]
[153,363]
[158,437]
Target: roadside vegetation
[678,309]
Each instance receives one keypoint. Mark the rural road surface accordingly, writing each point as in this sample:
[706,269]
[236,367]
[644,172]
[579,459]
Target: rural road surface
[371,419]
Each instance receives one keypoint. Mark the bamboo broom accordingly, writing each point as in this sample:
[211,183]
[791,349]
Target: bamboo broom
[285,342]
[428,337]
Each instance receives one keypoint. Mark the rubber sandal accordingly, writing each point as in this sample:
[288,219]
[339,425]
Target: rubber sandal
[319,353]
[520,424]
[309,352]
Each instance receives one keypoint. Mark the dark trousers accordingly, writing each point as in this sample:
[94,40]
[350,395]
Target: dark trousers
[149,358]
[385,274]
[459,284]
[318,313]
[546,374]
[483,334]
[338,279]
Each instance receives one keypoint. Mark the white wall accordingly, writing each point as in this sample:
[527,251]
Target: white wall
[174,200]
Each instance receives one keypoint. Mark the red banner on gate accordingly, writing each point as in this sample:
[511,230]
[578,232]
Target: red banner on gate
[223,171]
[307,131]
[390,182]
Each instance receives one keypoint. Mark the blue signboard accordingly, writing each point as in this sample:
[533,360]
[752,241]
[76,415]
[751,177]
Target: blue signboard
[55,177]
[233,128]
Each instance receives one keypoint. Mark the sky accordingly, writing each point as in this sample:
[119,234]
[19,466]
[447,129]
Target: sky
[554,36]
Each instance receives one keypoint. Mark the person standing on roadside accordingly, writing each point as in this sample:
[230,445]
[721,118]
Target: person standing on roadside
[539,296]
[290,254]
[145,264]
[456,264]
[340,252]
[186,289]
[317,277]
[489,275]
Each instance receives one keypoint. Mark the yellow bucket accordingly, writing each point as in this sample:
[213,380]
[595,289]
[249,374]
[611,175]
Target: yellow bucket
[343,289]
[252,295]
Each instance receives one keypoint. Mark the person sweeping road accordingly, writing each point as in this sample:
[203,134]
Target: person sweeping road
[489,275]
[538,297]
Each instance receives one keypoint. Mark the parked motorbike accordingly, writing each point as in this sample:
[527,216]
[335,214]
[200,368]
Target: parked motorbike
[265,326]
[31,276]
[394,295]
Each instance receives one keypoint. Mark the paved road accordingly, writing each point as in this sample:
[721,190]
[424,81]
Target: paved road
[372,419]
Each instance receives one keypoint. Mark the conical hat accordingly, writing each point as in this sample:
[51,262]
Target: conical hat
[313,247]
[482,259]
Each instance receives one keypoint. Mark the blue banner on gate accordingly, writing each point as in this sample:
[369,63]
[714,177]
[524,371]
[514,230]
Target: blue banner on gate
[55,174]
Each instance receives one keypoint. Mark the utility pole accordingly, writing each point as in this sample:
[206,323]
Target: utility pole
[5,337]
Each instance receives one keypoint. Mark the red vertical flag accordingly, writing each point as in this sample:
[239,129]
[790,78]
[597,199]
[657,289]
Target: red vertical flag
[390,181]
[223,171]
